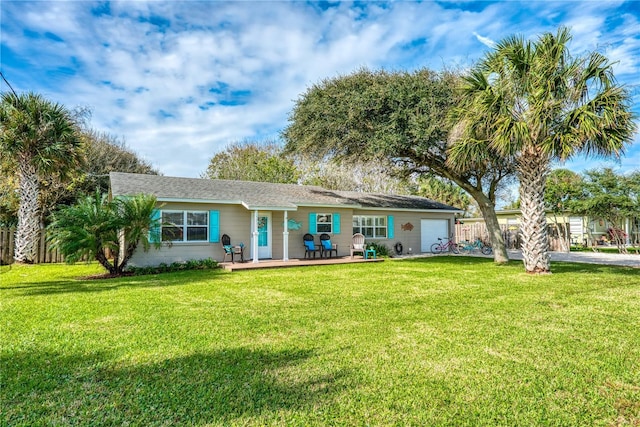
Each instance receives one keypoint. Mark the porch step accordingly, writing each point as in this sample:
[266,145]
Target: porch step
[249,265]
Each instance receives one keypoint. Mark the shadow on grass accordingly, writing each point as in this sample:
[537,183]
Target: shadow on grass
[48,287]
[563,267]
[557,267]
[219,387]
[452,260]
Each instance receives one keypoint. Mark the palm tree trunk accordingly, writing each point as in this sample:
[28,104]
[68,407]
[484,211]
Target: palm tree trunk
[102,258]
[533,170]
[28,230]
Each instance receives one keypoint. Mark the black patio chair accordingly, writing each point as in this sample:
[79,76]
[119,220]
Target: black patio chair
[326,247]
[310,246]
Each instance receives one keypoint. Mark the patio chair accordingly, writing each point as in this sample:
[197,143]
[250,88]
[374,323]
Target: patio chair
[326,247]
[309,246]
[357,244]
[231,250]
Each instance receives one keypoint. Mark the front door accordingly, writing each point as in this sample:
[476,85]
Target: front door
[264,235]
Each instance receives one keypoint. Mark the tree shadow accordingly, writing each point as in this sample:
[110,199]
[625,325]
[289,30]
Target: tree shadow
[218,387]
[557,267]
[452,259]
[564,267]
[80,285]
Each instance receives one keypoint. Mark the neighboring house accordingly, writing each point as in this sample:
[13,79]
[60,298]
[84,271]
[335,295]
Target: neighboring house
[271,219]
[583,230]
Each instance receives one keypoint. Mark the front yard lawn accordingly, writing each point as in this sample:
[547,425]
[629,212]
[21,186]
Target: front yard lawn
[425,342]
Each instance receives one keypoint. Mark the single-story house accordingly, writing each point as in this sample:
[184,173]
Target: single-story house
[270,220]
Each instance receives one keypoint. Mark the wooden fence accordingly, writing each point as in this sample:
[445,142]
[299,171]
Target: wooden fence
[45,254]
[510,234]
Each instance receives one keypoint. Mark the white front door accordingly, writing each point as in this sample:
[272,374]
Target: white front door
[264,235]
[430,230]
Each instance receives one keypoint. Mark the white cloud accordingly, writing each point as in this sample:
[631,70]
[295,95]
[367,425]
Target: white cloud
[151,83]
[485,40]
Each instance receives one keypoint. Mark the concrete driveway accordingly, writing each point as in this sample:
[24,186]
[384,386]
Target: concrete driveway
[630,260]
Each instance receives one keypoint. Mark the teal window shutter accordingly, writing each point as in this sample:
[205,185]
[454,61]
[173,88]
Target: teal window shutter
[214,226]
[336,223]
[313,229]
[155,231]
[390,227]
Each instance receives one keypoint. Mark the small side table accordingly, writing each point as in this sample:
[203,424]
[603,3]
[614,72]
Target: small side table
[369,252]
[239,250]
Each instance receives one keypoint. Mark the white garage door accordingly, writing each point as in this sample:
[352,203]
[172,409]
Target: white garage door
[430,230]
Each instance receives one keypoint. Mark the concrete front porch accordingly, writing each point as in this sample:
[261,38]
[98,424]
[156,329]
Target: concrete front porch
[297,262]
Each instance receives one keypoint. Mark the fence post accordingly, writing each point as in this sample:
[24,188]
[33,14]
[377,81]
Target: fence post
[7,242]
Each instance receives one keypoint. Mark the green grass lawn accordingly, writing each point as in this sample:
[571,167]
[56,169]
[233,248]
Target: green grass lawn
[425,342]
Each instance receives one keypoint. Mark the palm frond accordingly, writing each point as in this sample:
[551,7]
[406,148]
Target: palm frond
[44,129]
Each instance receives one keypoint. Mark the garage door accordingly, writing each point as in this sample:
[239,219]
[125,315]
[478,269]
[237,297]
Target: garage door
[430,230]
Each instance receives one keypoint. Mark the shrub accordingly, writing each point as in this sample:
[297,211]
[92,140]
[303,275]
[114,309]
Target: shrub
[201,264]
[380,248]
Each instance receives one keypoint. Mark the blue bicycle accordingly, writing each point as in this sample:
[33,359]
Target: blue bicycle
[477,246]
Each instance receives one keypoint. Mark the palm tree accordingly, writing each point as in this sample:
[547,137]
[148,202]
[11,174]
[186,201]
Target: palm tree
[40,137]
[108,231]
[535,103]
[137,225]
[87,230]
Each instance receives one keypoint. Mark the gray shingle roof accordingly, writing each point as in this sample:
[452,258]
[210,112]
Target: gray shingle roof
[254,195]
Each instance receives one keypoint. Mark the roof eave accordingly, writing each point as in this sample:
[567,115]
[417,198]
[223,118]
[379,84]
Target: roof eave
[329,206]
[269,208]
[453,211]
[207,201]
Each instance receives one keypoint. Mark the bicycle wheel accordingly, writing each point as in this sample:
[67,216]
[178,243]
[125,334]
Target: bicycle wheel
[436,248]
[454,248]
[487,250]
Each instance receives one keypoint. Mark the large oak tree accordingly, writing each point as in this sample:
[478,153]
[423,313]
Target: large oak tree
[401,116]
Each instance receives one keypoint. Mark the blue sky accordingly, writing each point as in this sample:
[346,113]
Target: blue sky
[178,81]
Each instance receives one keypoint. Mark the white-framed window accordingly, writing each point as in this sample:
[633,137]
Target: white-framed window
[324,223]
[371,226]
[185,226]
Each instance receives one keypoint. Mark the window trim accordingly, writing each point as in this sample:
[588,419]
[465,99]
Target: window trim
[359,228]
[185,226]
[319,223]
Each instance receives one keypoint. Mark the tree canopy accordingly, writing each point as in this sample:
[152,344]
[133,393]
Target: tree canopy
[104,153]
[443,191]
[372,176]
[612,197]
[253,161]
